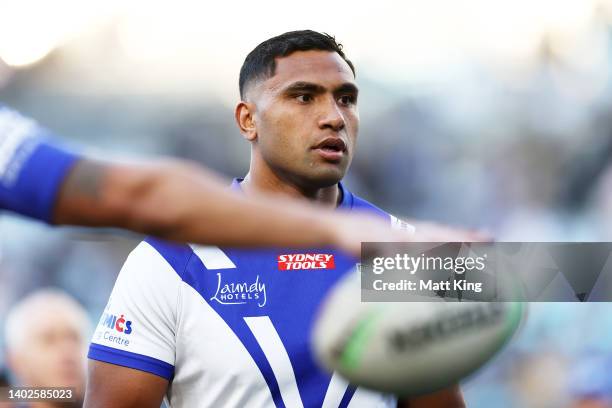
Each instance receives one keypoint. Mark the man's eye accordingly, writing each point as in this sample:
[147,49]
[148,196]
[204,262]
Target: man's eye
[347,100]
[304,98]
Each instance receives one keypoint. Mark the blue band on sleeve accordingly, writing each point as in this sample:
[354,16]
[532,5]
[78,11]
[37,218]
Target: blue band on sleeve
[131,360]
[33,190]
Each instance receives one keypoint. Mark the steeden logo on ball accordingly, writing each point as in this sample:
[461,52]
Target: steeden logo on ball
[291,262]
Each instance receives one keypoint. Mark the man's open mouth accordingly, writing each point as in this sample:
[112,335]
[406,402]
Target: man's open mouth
[332,144]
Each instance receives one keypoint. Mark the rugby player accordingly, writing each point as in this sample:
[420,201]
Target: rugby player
[228,327]
[171,199]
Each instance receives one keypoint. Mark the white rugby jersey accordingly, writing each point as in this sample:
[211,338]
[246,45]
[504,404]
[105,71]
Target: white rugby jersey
[228,327]
[31,169]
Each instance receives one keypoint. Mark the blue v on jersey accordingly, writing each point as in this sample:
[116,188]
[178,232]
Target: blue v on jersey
[228,327]
[31,168]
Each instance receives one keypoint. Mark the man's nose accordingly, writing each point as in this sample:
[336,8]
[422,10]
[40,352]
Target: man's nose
[331,116]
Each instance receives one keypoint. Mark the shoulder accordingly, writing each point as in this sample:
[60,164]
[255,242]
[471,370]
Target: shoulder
[352,202]
[154,253]
[187,261]
[359,204]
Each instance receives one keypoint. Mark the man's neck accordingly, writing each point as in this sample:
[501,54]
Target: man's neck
[255,183]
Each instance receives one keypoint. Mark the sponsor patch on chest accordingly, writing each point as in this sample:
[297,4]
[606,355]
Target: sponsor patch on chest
[292,262]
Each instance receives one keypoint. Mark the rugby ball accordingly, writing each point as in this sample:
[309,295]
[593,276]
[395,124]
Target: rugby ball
[408,348]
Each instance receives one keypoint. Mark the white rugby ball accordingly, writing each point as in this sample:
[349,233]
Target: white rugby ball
[408,348]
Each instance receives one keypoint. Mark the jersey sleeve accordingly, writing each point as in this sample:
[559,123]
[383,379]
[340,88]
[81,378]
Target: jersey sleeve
[138,326]
[32,168]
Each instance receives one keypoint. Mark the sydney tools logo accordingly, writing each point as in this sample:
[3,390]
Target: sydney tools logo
[305,261]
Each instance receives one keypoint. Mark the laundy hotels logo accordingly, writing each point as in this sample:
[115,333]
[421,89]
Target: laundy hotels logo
[240,293]
[291,262]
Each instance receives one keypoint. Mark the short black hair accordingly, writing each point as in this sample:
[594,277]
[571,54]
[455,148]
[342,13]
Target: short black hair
[260,63]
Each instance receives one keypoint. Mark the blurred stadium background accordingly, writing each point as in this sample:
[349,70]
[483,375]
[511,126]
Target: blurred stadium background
[490,114]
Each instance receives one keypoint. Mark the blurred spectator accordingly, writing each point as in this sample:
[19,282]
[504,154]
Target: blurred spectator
[590,382]
[539,379]
[4,382]
[46,338]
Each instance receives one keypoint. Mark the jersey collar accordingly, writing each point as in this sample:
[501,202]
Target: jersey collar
[345,204]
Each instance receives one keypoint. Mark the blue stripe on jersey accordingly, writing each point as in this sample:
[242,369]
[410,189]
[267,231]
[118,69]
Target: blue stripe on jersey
[193,276]
[177,255]
[291,311]
[131,360]
[33,176]
[190,269]
[348,395]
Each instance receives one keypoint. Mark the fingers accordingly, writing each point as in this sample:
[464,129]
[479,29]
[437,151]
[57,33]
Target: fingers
[433,232]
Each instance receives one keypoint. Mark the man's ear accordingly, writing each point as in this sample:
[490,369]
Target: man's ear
[245,118]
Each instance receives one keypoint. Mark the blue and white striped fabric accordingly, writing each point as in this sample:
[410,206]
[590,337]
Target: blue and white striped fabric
[228,327]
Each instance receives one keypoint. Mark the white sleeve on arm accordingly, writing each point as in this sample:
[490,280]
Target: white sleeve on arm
[138,326]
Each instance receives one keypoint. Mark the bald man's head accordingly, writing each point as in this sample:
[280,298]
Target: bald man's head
[46,336]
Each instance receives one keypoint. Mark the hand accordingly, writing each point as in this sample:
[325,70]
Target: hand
[350,230]
[434,232]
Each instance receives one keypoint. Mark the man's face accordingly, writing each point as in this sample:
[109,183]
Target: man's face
[53,350]
[306,118]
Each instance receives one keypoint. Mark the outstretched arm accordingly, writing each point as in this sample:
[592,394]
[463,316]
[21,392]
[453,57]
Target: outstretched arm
[180,201]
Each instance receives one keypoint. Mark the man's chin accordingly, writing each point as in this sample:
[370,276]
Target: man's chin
[325,179]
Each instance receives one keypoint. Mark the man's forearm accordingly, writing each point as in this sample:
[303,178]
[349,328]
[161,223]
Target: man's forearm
[183,202]
[214,213]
